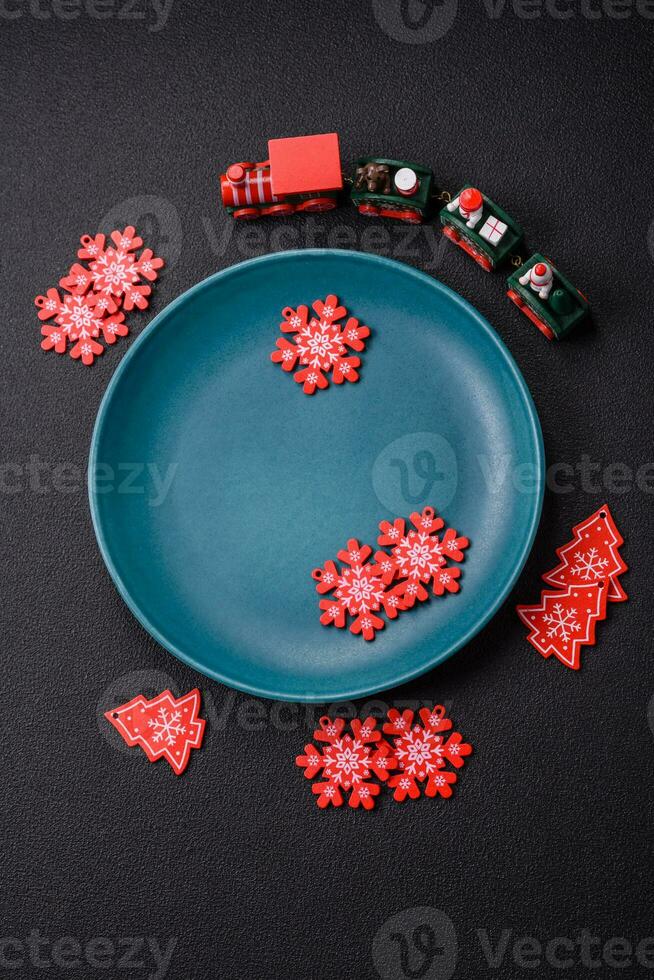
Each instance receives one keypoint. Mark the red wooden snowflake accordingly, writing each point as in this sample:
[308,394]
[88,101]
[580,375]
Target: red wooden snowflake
[353,763]
[81,319]
[419,557]
[320,344]
[359,590]
[396,580]
[420,753]
[95,294]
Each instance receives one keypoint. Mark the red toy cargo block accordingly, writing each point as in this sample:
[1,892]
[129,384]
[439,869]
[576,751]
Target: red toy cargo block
[305,163]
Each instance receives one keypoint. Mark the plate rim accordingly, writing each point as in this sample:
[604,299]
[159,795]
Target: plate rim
[346,694]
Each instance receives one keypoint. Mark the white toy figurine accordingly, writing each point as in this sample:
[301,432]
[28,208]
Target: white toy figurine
[541,279]
[470,203]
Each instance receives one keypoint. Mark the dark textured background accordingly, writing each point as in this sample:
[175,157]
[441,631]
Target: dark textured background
[550,830]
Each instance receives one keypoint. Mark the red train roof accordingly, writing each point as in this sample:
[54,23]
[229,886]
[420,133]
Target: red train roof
[305,163]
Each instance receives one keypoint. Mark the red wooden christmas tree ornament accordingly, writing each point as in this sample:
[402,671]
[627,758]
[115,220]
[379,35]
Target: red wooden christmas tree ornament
[320,345]
[165,727]
[565,621]
[353,762]
[592,555]
[421,752]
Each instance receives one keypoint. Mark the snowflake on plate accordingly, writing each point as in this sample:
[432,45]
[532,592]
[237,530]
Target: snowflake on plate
[589,565]
[421,753]
[419,556]
[354,763]
[396,580]
[320,344]
[562,622]
[90,307]
[359,591]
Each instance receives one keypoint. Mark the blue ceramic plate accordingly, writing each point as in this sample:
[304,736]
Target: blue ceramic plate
[217,485]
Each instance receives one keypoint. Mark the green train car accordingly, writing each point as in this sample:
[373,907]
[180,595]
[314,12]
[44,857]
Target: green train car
[544,295]
[481,228]
[392,189]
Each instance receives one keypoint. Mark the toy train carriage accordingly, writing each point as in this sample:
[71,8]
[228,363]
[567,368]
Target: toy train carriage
[550,300]
[392,189]
[481,228]
[302,174]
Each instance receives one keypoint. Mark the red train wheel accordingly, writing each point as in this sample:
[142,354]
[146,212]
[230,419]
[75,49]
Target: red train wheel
[370,210]
[413,217]
[481,260]
[316,204]
[279,210]
[245,214]
[468,248]
[528,312]
[400,214]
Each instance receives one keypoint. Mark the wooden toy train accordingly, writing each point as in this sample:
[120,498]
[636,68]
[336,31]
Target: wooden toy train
[303,174]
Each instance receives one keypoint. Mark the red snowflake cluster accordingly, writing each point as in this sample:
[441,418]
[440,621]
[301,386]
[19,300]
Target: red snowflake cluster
[96,294]
[320,344]
[587,576]
[396,580]
[412,760]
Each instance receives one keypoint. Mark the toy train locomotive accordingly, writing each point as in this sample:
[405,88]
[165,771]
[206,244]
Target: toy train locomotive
[303,174]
